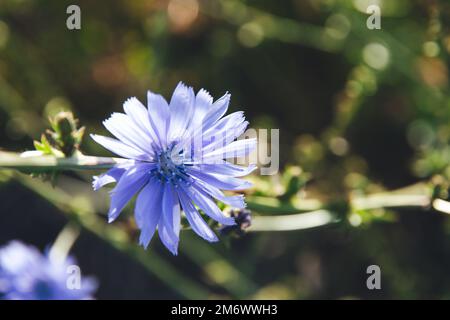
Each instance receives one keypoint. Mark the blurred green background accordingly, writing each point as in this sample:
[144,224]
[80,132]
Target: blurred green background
[359,110]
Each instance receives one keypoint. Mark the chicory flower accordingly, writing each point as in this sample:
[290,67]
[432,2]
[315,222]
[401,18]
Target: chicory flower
[177,156]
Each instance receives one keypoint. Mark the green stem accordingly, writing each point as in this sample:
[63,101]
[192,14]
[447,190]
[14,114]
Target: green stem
[417,195]
[64,242]
[385,200]
[276,206]
[293,221]
[9,160]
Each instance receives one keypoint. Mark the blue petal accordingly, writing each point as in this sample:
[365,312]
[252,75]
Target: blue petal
[140,116]
[203,103]
[147,211]
[120,148]
[113,175]
[236,201]
[159,116]
[235,149]
[225,137]
[217,110]
[204,128]
[169,222]
[195,220]
[129,184]
[181,111]
[207,205]
[222,133]
[226,123]
[220,181]
[226,168]
[213,149]
[128,132]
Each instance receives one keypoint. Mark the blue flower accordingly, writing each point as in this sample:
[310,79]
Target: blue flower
[176,155]
[26,274]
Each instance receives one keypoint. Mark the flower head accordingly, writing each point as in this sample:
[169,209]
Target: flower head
[26,274]
[177,155]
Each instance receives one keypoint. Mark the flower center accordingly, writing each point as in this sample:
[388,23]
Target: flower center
[170,166]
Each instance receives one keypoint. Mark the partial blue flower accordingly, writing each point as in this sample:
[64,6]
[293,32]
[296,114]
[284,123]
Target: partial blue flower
[26,274]
[177,160]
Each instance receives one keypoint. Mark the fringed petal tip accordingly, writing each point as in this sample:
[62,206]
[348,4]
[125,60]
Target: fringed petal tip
[95,183]
[129,101]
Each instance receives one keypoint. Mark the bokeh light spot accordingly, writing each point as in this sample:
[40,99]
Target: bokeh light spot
[250,34]
[376,56]
[337,26]
[182,13]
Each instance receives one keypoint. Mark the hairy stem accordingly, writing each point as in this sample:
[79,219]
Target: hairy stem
[9,160]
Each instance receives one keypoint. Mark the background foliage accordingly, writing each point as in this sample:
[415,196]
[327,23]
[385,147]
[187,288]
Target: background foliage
[359,111]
